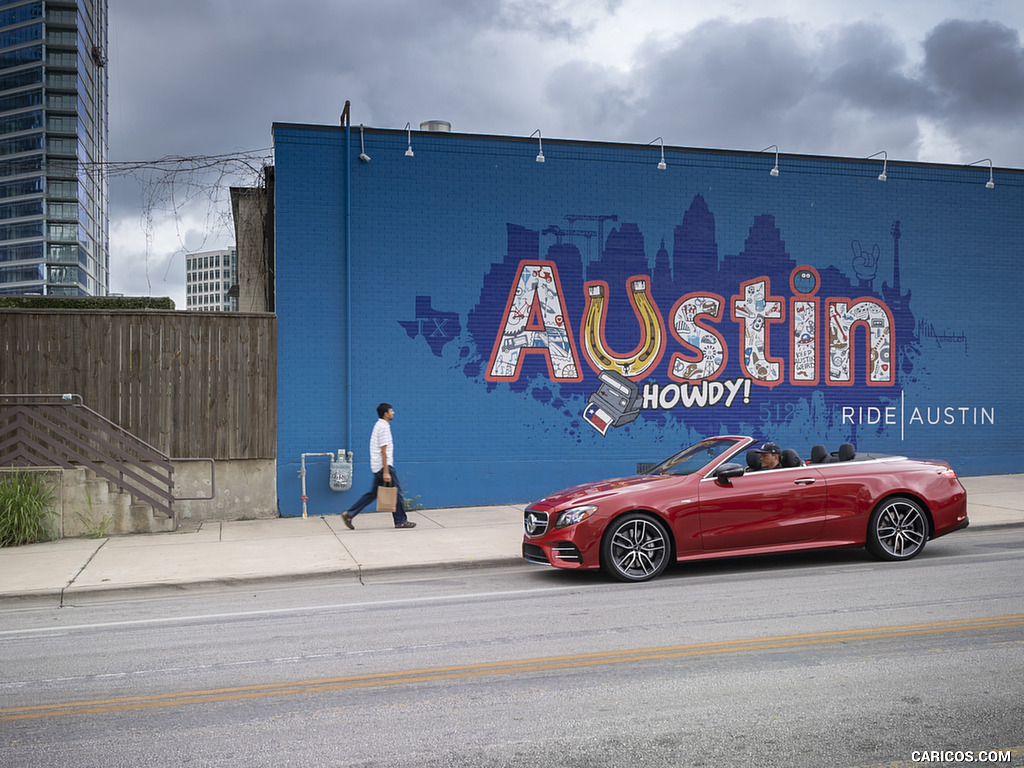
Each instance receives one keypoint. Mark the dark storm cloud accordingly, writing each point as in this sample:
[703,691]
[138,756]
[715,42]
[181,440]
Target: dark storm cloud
[199,78]
[867,70]
[845,90]
[744,85]
[707,83]
[976,69]
[215,76]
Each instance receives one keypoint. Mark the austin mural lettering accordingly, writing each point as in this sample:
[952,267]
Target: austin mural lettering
[535,322]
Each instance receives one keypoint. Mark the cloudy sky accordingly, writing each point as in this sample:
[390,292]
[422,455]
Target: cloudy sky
[932,80]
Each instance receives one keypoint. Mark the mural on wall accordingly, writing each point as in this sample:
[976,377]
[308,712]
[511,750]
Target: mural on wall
[754,339]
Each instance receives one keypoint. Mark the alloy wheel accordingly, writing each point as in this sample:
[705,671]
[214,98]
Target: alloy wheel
[898,530]
[635,548]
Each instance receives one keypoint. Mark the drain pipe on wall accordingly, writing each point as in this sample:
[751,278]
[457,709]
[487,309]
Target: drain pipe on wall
[341,467]
[347,122]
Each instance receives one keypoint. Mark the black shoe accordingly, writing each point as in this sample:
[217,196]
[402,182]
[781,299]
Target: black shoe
[406,524]
[346,518]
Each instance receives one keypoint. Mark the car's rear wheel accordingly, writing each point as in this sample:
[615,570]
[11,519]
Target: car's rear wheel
[897,530]
[635,548]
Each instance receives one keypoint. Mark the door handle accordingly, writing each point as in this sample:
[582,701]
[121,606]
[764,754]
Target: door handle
[805,481]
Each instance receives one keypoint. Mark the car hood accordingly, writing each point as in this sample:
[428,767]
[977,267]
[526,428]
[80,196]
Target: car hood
[602,490]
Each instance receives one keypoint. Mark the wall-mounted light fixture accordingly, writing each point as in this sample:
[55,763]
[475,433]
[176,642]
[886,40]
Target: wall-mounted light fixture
[774,171]
[362,146]
[990,184]
[540,146]
[661,165]
[885,163]
[408,133]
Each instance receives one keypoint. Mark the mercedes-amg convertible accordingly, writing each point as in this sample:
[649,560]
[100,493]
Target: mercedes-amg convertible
[722,497]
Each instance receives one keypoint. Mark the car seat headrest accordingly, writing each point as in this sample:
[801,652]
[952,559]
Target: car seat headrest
[753,460]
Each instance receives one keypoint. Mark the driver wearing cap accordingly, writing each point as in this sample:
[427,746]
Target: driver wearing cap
[770,455]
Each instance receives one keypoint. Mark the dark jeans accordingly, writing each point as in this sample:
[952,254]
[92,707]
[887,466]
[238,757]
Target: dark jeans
[371,495]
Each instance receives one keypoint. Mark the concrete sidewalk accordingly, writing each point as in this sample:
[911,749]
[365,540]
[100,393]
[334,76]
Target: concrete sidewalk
[242,552]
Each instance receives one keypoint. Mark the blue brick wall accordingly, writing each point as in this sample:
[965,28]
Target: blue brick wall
[407,303]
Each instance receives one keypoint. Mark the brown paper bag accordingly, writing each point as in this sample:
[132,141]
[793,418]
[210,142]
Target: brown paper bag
[387,498]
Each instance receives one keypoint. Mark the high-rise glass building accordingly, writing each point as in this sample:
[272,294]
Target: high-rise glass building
[211,281]
[54,234]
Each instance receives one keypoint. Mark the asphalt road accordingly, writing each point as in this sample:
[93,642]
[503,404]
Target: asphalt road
[818,660]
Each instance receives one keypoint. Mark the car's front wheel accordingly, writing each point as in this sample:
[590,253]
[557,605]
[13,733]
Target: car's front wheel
[635,547]
[898,529]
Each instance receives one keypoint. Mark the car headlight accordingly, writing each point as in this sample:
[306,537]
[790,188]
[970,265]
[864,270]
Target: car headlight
[574,515]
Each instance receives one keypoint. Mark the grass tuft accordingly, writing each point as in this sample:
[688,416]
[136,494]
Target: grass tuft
[26,508]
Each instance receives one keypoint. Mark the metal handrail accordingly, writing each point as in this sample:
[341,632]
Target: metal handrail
[34,429]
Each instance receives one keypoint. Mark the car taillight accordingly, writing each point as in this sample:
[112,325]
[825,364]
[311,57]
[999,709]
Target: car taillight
[949,472]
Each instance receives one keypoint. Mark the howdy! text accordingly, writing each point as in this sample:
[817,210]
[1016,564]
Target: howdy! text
[821,331]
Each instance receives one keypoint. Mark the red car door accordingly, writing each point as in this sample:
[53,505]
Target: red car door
[770,507]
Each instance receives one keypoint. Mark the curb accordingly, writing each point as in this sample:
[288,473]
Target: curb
[72,595]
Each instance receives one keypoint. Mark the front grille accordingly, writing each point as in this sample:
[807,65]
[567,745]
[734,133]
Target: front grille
[566,550]
[535,523]
[534,554]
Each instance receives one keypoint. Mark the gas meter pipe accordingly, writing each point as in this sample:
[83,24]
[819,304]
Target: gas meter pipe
[302,474]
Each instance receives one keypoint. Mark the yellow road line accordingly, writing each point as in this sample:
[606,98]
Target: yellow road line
[465,671]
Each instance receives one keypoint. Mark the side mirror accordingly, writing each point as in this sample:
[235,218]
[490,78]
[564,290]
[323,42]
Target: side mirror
[727,472]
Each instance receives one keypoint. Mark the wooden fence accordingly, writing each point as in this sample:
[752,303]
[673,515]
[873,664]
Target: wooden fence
[200,385]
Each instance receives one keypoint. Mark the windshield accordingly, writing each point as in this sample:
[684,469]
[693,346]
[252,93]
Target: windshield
[696,457]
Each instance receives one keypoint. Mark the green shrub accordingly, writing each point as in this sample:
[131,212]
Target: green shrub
[105,303]
[26,508]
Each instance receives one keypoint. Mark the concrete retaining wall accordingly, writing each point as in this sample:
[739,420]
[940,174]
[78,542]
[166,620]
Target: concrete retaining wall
[245,489]
[90,506]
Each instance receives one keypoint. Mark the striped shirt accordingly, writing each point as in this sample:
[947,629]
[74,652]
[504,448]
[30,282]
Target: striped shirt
[381,435]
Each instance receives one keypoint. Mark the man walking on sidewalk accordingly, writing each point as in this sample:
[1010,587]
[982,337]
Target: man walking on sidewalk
[382,461]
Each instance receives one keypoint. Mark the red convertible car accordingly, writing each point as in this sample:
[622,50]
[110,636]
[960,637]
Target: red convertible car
[714,499]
